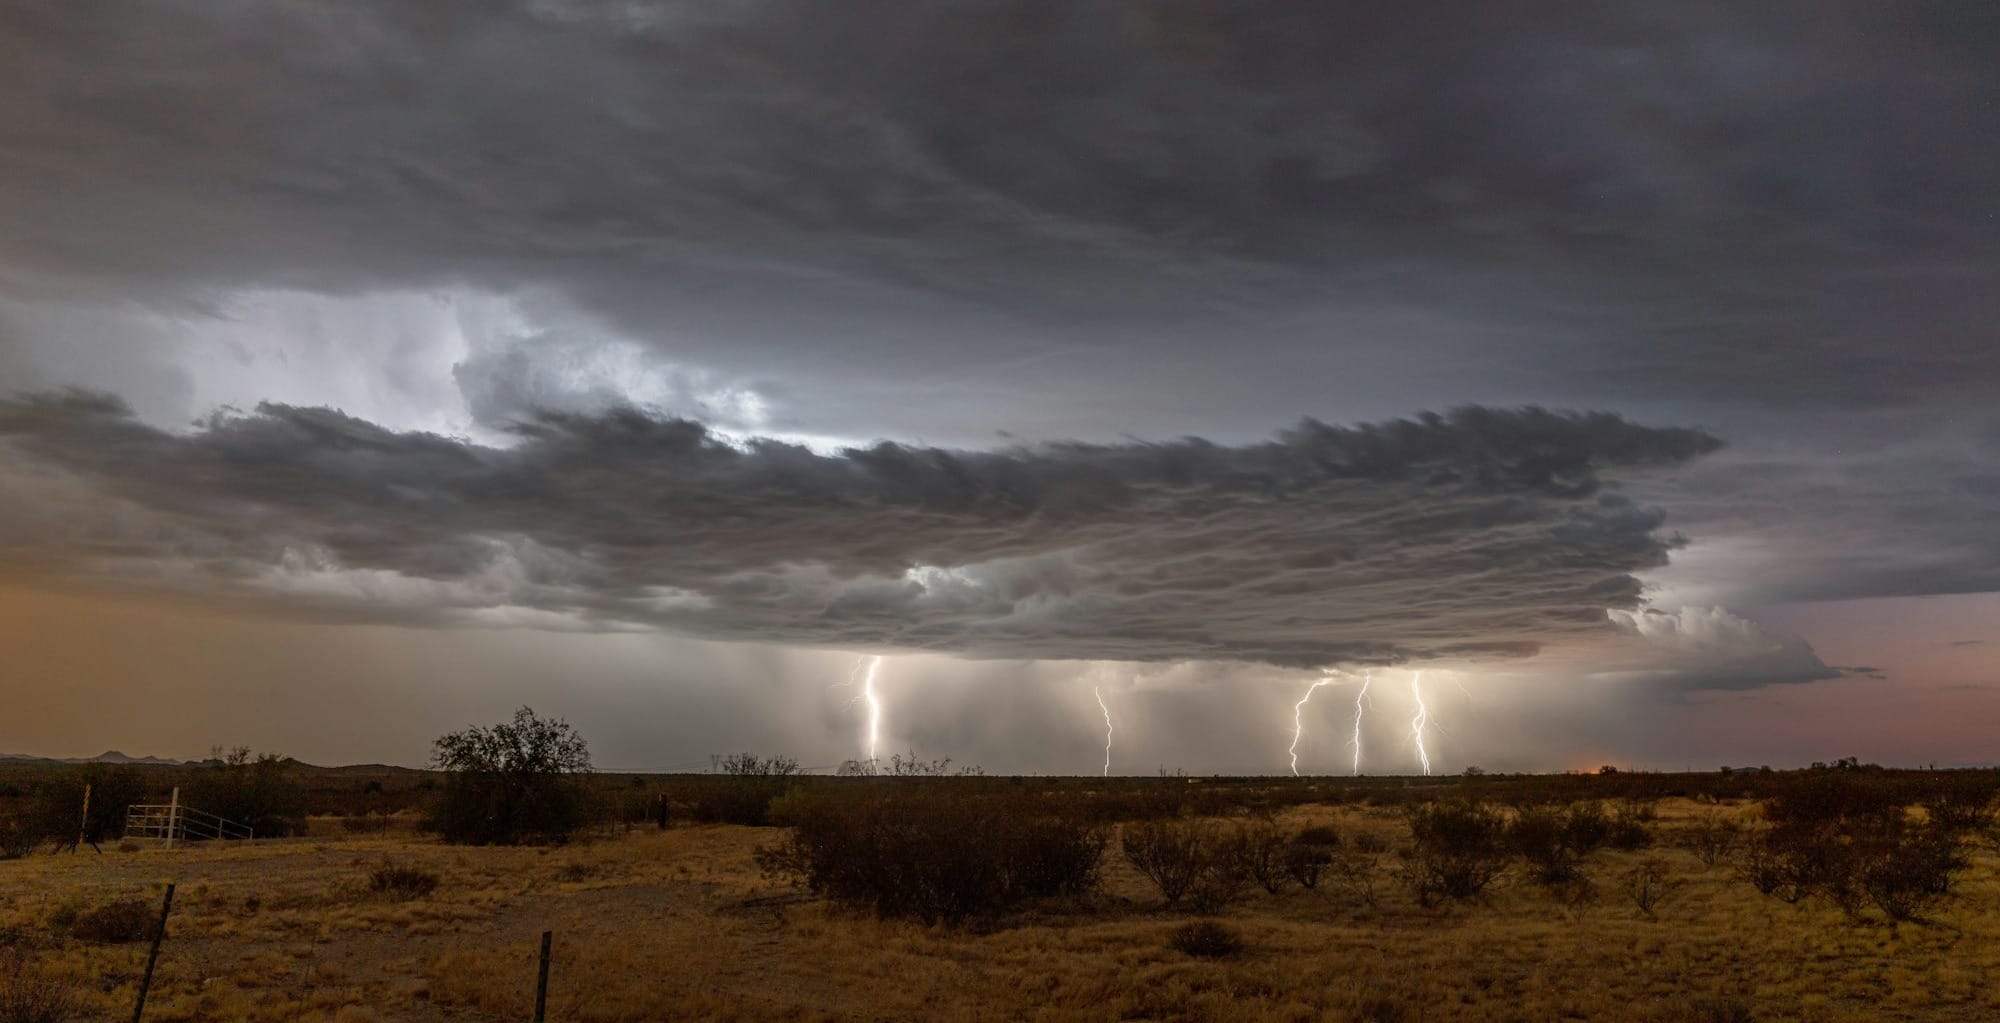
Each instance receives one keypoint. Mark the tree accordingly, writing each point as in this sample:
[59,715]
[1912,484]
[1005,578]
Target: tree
[512,783]
[258,790]
[57,814]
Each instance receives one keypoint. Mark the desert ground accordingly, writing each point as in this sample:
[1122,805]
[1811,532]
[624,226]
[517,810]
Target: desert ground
[682,924]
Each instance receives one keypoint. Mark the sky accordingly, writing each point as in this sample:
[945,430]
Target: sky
[1614,384]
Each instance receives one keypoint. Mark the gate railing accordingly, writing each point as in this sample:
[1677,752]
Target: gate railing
[176,822]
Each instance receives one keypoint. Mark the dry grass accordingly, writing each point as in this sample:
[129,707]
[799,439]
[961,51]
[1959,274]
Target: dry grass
[679,925]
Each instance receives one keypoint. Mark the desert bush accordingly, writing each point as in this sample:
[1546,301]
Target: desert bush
[1317,834]
[1168,852]
[260,791]
[1716,1009]
[364,823]
[402,882]
[1712,837]
[1221,879]
[1356,871]
[1647,884]
[58,803]
[18,837]
[116,922]
[1964,802]
[932,853]
[30,992]
[1630,826]
[513,783]
[1909,872]
[730,799]
[1207,939]
[1459,847]
[1585,827]
[1371,843]
[1258,848]
[1541,837]
[1308,855]
[1845,836]
[750,765]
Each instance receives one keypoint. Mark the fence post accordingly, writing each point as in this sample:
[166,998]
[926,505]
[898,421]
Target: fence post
[173,816]
[541,980]
[83,825]
[139,1008]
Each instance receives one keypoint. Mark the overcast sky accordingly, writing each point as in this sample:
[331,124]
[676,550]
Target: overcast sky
[368,369]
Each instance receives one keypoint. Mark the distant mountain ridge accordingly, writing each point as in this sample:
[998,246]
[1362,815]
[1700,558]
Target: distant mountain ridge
[107,757]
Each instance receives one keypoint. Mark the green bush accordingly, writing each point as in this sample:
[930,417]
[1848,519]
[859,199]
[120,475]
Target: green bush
[113,923]
[1458,849]
[261,792]
[514,783]
[925,851]
[32,993]
[1206,939]
[402,882]
[57,810]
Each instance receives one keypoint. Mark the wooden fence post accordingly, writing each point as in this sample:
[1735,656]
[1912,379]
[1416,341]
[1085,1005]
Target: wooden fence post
[83,826]
[541,980]
[173,816]
[139,1008]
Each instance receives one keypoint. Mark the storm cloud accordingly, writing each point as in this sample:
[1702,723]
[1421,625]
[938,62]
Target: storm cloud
[1476,533]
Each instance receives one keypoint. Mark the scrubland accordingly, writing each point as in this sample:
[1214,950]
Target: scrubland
[693,923]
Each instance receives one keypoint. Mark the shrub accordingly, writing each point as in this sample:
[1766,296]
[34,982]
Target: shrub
[1168,852]
[1963,802]
[1717,1009]
[512,783]
[364,823]
[1910,872]
[1628,826]
[1585,827]
[1258,849]
[1207,939]
[58,803]
[114,923]
[1459,848]
[933,854]
[1305,860]
[1221,878]
[32,993]
[18,838]
[260,792]
[1712,837]
[1541,837]
[1356,871]
[402,882]
[1647,884]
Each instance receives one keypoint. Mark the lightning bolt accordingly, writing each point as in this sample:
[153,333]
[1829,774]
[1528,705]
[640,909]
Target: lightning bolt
[1101,705]
[1360,701]
[1298,724]
[1417,723]
[874,708]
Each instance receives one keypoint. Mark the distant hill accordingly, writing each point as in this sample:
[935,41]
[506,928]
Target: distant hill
[106,757]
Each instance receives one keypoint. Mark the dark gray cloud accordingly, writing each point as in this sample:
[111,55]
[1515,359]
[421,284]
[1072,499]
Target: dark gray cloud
[934,222]
[1783,207]
[1474,534]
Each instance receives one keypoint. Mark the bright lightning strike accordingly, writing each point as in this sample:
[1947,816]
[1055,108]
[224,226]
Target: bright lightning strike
[874,708]
[1298,722]
[1423,715]
[1101,705]
[1360,702]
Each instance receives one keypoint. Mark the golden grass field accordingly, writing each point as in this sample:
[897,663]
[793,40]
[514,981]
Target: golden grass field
[679,925]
